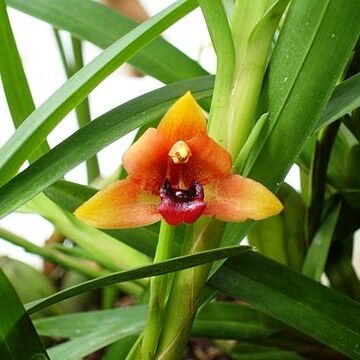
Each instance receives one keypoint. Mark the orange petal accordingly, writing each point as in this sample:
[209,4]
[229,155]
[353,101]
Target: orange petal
[122,204]
[183,120]
[207,162]
[235,198]
[146,160]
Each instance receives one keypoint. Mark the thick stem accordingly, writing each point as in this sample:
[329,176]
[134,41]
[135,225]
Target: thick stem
[186,289]
[253,27]
[158,294]
[220,33]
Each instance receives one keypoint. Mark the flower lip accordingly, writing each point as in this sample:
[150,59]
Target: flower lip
[181,205]
[195,192]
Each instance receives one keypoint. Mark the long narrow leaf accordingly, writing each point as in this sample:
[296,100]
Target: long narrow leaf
[216,320]
[102,26]
[293,299]
[160,268]
[87,344]
[315,260]
[16,87]
[18,338]
[344,99]
[38,125]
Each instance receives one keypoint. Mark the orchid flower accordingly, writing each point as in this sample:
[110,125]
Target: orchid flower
[178,173]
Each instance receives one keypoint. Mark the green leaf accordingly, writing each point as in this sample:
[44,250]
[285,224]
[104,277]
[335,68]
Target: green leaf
[250,141]
[295,103]
[38,125]
[95,136]
[13,76]
[344,99]
[225,320]
[79,324]
[120,349]
[102,27]
[293,299]
[281,237]
[29,283]
[18,338]
[298,87]
[216,320]
[95,340]
[160,268]
[69,195]
[12,73]
[314,264]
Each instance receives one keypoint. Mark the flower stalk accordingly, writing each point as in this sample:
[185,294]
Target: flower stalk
[222,40]
[158,293]
[186,289]
[253,27]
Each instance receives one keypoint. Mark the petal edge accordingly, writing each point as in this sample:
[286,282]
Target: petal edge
[208,162]
[235,198]
[123,204]
[146,160]
[184,120]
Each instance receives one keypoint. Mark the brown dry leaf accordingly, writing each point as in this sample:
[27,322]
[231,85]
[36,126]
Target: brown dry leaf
[130,8]
[135,11]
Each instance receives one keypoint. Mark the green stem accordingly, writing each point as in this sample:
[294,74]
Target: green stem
[186,289]
[253,27]
[73,64]
[158,295]
[220,33]
[135,352]
[61,49]
[83,110]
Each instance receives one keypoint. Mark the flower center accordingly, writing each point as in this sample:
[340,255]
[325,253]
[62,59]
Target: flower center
[180,152]
[181,205]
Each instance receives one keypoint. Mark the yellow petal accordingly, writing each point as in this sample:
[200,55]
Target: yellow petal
[184,120]
[236,198]
[122,204]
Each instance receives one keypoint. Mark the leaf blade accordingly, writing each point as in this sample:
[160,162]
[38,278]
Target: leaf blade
[102,27]
[160,268]
[18,338]
[295,300]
